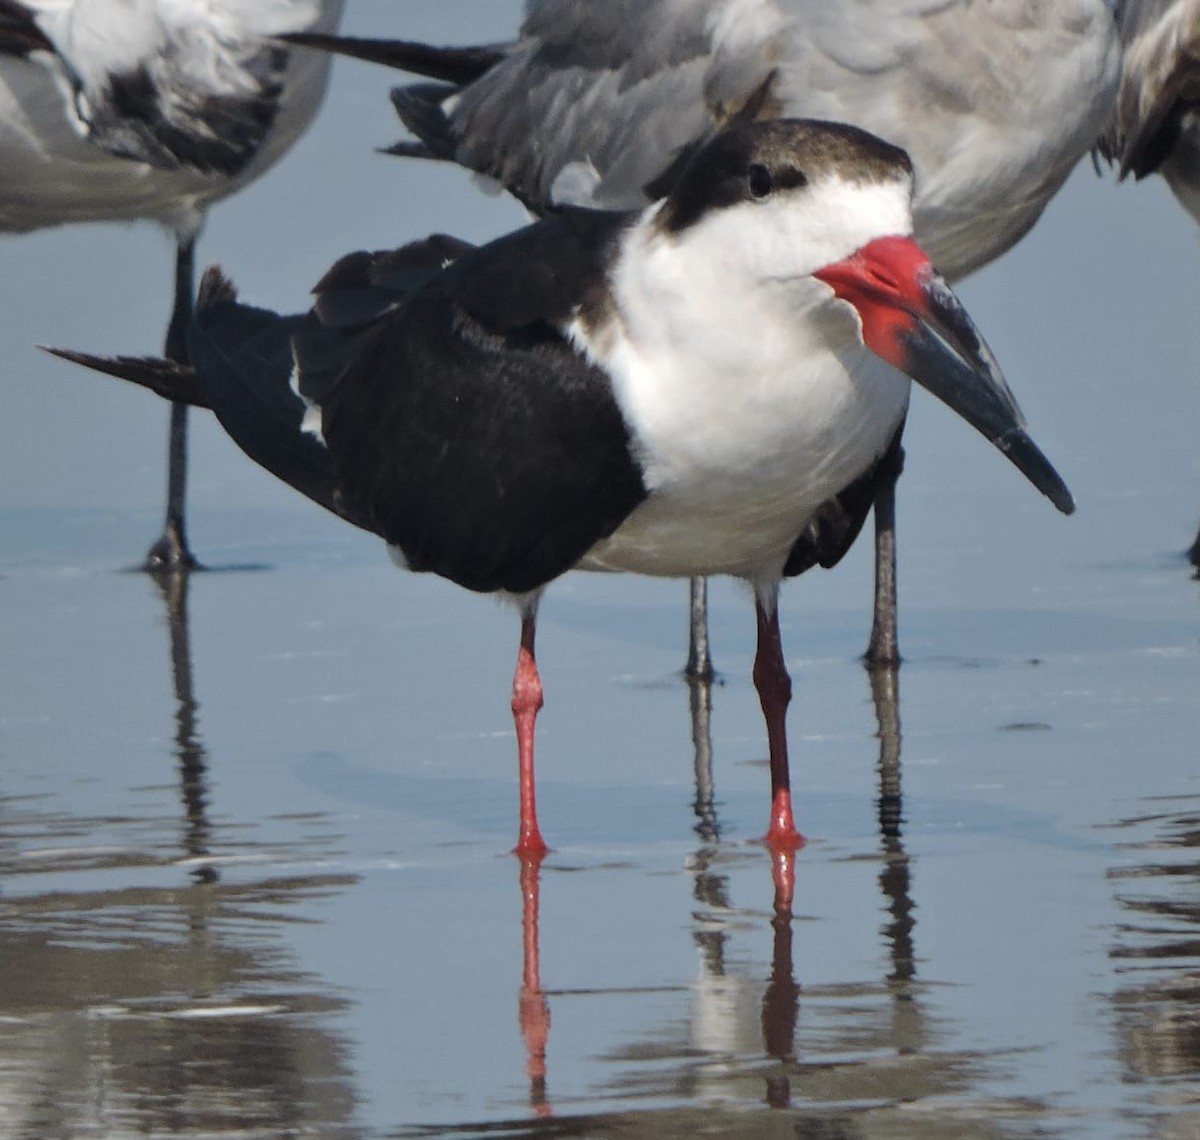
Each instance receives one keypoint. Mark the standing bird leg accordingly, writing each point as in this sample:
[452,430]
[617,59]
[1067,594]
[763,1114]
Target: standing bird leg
[699,663]
[775,693]
[526,703]
[883,651]
[170,553]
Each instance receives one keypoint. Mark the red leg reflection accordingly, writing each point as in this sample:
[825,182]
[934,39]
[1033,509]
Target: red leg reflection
[533,1011]
[781,1001]
[526,703]
[783,875]
[775,693]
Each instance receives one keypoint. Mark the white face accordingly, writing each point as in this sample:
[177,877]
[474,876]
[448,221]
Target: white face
[735,288]
[785,236]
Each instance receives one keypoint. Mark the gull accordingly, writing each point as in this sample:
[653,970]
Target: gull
[122,110]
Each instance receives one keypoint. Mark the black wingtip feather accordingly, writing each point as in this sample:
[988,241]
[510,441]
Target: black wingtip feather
[459,66]
[456,65]
[419,106]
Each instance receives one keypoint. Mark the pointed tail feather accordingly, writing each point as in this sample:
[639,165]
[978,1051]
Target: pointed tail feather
[167,378]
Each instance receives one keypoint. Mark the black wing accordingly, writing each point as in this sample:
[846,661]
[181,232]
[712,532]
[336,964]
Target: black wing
[243,358]
[468,431]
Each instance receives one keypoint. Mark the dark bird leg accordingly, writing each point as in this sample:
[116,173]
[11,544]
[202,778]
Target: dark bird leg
[170,553]
[775,693]
[884,648]
[526,703]
[699,663]
[1194,553]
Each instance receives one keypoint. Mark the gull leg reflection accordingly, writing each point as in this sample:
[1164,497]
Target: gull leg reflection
[533,1010]
[908,1031]
[132,1006]
[894,878]
[189,749]
[704,805]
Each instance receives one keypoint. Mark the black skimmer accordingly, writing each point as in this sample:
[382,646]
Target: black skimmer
[995,103]
[710,385]
[112,110]
[1156,126]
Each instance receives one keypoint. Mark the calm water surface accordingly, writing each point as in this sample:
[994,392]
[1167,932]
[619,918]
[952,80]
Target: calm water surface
[254,878]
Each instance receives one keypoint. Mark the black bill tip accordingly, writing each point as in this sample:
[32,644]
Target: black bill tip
[1027,457]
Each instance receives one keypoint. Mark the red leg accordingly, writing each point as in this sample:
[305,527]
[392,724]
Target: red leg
[526,701]
[774,693]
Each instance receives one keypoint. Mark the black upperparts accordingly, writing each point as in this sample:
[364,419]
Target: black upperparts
[465,428]
[457,421]
[495,459]
[243,358]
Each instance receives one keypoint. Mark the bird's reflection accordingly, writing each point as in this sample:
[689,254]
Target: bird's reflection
[895,873]
[704,804]
[533,1010]
[189,749]
[132,1005]
[1157,950]
[781,999]
[719,1054]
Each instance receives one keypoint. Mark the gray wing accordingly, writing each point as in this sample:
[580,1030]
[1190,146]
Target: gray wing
[1154,127]
[591,103]
[995,103]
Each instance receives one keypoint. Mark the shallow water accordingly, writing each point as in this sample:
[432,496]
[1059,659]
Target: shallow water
[253,836]
[254,875]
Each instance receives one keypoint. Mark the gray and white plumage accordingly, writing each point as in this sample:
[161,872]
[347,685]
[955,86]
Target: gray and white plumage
[147,109]
[995,103]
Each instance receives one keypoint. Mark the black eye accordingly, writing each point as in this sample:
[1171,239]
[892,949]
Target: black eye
[759,181]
